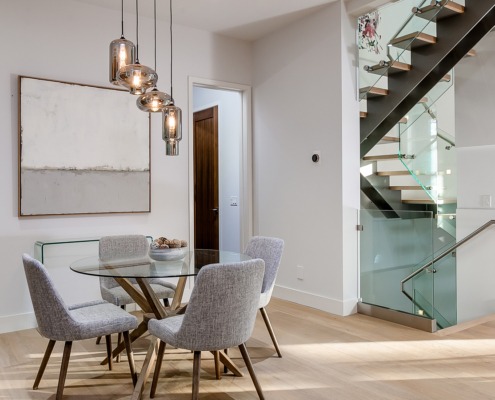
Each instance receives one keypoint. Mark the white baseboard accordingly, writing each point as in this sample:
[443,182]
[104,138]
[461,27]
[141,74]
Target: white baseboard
[19,322]
[333,306]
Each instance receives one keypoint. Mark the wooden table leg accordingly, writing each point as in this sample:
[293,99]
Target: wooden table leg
[136,333]
[225,359]
[179,292]
[145,370]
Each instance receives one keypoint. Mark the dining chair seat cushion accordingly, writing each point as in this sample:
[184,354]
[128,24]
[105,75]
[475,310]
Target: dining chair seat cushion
[97,320]
[118,296]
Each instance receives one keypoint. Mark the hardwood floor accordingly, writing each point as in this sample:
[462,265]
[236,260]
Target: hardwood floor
[324,357]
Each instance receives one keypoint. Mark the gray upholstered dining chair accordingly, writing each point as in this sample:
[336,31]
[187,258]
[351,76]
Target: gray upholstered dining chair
[269,249]
[59,322]
[128,246]
[220,314]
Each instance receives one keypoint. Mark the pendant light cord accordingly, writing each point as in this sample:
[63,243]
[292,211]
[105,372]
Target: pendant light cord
[137,33]
[171,52]
[122,20]
[154,11]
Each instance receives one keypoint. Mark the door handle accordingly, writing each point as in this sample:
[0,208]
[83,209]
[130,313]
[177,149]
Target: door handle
[215,210]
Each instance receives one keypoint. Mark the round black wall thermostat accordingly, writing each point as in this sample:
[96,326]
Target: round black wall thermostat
[315,158]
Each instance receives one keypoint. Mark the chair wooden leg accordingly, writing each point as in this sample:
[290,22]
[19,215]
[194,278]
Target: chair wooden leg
[63,370]
[119,339]
[44,362]
[130,357]
[249,365]
[270,330]
[196,370]
[166,303]
[216,357]
[225,369]
[108,339]
[98,340]
[158,367]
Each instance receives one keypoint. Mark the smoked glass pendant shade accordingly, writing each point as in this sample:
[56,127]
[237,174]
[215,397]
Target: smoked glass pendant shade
[172,129]
[122,53]
[154,101]
[137,78]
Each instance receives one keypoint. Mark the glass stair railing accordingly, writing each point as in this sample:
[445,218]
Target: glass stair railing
[385,40]
[392,248]
[431,159]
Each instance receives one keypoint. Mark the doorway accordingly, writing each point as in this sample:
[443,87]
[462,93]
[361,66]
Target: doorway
[220,165]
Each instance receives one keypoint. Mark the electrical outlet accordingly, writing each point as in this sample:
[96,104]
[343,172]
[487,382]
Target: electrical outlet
[486,201]
[300,272]
[233,201]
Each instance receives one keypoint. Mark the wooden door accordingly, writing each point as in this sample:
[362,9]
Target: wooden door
[206,212]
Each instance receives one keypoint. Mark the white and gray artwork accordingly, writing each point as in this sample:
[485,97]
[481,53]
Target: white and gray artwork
[84,149]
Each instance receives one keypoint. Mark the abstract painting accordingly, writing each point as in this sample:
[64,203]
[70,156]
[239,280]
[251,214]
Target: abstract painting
[82,150]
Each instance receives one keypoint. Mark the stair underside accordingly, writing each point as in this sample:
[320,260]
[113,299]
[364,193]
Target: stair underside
[381,157]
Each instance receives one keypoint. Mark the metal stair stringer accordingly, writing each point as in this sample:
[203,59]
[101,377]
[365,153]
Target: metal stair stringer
[457,35]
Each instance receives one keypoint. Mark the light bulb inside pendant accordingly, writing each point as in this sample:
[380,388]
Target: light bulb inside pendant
[154,101]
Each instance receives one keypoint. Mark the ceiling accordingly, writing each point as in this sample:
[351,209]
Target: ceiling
[241,19]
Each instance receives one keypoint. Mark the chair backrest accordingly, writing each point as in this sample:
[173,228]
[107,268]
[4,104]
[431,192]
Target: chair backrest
[269,249]
[52,314]
[222,309]
[121,246]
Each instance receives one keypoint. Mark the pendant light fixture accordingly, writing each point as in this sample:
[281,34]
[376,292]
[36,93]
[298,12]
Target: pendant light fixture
[122,52]
[172,115]
[155,100]
[136,77]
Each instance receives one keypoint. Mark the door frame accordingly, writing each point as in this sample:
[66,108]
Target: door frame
[245,156]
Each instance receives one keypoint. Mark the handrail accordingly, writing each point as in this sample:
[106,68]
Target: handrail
[444,254]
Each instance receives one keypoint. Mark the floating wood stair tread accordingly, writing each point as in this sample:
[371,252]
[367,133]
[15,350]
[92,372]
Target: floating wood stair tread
[423,100]
[389,139]
[413,40]
[381,157]
[403,120]
[434,13]
[392,173]
[372,92]
[405,187]
[386,69]
[446,78]
[429,201]
[362,114]
[471,53]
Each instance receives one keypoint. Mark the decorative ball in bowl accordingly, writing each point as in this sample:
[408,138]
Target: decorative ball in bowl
[163,249]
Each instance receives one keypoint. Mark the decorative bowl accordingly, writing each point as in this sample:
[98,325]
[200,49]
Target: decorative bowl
[168,254]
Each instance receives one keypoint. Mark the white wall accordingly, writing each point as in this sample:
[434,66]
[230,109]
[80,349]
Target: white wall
[68,41]
[304,101]
[229,149]
[475,141]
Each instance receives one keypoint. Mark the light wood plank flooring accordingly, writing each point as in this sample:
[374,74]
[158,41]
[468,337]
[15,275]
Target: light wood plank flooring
[325,357]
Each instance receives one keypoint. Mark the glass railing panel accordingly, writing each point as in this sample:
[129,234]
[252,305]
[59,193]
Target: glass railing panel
[418,152]
[447,168]
[425,105]
[391,247]
[445,291]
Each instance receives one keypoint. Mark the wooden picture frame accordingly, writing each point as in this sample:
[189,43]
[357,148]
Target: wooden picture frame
[83,149]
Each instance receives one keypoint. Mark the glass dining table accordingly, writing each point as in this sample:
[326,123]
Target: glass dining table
[141,269]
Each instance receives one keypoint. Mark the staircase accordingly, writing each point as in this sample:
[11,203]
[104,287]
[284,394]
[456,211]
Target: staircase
[392,179]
